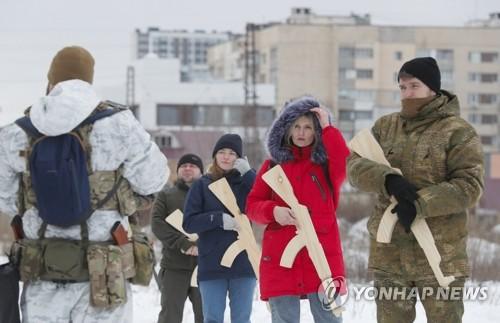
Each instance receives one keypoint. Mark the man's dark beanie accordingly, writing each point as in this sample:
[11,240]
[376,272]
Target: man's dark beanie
[231,141]
[191,159]
[425,69]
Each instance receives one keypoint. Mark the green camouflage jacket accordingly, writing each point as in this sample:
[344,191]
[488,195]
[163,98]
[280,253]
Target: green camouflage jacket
[441,154]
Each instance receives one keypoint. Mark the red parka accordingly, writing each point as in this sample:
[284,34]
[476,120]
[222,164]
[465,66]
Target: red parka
[312,190]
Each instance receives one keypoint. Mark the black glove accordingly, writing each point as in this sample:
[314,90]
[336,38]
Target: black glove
[400,188]
[406,212]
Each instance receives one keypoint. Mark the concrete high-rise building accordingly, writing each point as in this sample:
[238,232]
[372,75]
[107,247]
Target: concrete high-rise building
[351,65]
[189,47]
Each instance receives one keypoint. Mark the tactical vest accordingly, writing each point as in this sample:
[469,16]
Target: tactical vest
[101,182]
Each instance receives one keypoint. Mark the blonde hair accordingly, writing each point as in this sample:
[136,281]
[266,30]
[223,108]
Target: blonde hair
[288,137]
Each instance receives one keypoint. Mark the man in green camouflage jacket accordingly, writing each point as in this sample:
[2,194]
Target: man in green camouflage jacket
[441,159]
[179,253]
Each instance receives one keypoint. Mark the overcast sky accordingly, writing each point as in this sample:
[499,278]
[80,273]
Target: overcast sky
[31,31]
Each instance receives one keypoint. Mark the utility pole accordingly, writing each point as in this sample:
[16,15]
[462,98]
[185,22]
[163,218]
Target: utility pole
[252,140]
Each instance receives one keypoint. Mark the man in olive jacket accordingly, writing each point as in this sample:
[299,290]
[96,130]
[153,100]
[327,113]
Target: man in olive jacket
[179,253]
[441,159]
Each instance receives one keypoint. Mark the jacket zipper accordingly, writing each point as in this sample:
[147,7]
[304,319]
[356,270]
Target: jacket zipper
[316,181]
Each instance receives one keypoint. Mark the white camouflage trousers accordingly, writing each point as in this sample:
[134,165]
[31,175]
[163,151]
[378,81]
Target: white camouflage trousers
[48,302]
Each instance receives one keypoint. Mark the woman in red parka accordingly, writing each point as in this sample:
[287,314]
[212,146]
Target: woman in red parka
[313,155]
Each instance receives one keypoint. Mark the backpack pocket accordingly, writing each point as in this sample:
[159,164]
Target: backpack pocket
[114,276]
[64,260]
[107,280]
[97,260]
[30,264]
[144,259]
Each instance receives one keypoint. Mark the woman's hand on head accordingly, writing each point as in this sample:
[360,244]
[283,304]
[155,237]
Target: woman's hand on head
[322,116]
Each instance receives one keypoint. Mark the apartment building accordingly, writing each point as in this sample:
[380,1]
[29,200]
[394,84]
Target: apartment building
[351,65]
[190,47]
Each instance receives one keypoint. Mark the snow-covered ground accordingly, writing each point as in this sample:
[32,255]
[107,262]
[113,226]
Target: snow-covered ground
[147,305]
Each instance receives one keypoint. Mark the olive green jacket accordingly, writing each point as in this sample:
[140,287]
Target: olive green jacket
[174,242]
[441,154]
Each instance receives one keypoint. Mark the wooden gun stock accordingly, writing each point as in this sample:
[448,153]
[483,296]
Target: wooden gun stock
[306,235]
[366,146]
[246,239]
[175,220]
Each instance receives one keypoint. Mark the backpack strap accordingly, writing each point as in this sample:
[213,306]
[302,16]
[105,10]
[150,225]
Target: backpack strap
[100,114]
[28,127]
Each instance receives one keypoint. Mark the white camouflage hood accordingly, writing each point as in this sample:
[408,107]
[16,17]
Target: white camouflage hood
[64,108]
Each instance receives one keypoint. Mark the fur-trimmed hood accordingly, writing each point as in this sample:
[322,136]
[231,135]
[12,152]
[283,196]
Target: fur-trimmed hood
[275,141]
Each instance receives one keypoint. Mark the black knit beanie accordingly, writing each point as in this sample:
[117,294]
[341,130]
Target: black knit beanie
[231,141]
[191,159]
[425,69]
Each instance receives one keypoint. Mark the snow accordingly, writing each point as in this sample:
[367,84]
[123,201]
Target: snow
[147,306]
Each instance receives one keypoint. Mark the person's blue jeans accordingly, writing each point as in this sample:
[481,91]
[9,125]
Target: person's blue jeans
[286,309]
[213,298]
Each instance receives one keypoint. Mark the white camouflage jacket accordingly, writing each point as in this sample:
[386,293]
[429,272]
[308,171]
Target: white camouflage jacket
[116,140]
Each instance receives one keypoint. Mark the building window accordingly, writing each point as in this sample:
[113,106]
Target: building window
[358,95]
[438,54]
[265,116]
[364,74]
[199,116]
[363,115]
[167,115]
[353,115]
[482,98]
[447,76]
[345,115]
[214,116]
[473,118]
[398,55]
[163,141]
[483,57]
[273,65]
[483,77]
[347,74]
[363,53]
[346,52]
[233,116]
[489,57]
[487,140]
[489,119]
[351,52]
[444,55]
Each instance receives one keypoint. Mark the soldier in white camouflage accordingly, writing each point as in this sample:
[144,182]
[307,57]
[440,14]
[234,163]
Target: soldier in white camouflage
[441,160]
[121,155]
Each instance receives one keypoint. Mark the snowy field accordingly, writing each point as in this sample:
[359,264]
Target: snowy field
[147,305]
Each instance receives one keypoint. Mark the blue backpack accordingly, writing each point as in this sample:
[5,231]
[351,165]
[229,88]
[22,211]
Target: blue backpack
[59,175]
